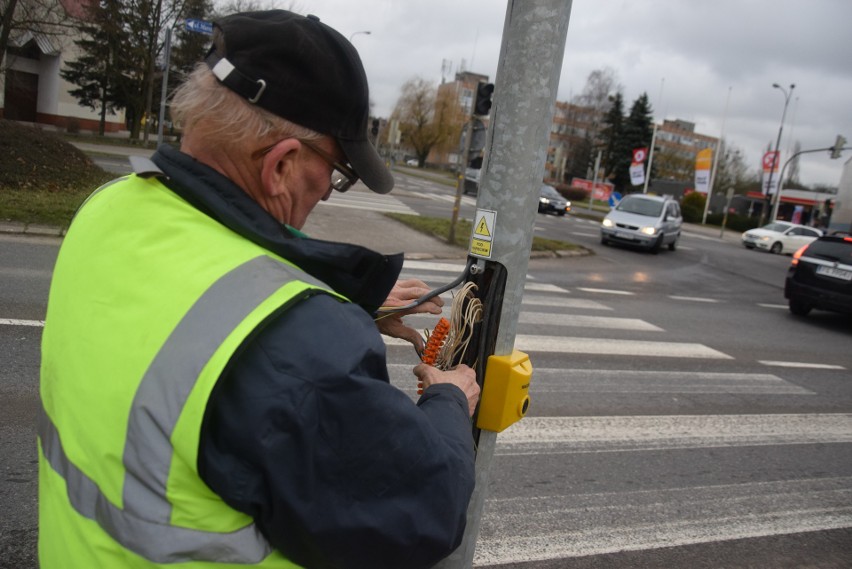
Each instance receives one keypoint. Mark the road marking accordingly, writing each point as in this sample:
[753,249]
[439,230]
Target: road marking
[577,233]
[799,365]
[364,200]
[548,318]
[568,381]
[549,435]
[576,345]
[693,298]
[456,268]
[521,529]
[562,302]
[544,287]
[14,322]
[782,306]
[606,291]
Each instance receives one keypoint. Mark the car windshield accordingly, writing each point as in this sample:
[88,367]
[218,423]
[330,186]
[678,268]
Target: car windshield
[549,192]
[777,227]
[641,206]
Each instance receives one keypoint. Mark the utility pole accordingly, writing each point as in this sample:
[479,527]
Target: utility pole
[650,159]
[777,195]
[528,72]
[716,159]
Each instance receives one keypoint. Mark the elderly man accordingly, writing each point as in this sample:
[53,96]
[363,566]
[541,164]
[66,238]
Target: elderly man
[215,390]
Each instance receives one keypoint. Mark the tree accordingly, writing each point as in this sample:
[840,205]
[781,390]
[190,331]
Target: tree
[17,17]
[425,120]
[612,132]
[601,86]
[637,133]
[98,72]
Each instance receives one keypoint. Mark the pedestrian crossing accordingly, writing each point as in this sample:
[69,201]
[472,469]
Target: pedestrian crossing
[361,198]
[567,513]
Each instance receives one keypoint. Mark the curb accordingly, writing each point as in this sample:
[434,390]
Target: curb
[15,227]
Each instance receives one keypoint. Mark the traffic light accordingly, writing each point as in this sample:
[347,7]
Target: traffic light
[482,106]
[838,146]
[375,129]
[475,163]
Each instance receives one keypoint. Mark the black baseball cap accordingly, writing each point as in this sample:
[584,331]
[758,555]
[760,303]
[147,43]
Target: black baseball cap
[304,71]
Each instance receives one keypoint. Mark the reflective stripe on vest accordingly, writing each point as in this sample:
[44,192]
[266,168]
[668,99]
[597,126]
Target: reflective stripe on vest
[143,525]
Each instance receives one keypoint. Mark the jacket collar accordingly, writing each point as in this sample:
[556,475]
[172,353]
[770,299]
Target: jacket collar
[360,274]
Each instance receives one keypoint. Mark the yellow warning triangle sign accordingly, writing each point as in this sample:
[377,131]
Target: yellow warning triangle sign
[482,228]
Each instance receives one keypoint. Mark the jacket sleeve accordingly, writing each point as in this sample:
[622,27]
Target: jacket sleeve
[338,467]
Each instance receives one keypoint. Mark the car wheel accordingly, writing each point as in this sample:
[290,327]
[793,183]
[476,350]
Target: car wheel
[604,240]
[776,248]
[799,307]
[673,245]
[655,248]
[561,214]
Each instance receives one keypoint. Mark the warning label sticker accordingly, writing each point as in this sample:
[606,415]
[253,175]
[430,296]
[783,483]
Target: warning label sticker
[483,233]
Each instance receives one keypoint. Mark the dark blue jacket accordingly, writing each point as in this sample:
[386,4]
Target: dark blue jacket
[304,431]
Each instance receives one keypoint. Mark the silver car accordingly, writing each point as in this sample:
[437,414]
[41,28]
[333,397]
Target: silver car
[643,221]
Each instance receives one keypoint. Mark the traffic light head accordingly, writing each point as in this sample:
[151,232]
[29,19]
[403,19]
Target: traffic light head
[482,106]
[838,146]
[375,129]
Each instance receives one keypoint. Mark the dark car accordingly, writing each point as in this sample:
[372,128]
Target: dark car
[820,276]
[550,200]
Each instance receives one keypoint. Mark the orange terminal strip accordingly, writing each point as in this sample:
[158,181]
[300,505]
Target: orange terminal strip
[433,346]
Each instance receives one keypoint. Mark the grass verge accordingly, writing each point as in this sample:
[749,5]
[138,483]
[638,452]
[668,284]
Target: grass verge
[440,228]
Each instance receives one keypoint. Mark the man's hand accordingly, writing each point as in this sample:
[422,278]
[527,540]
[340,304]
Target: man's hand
[405,292]
[462,377]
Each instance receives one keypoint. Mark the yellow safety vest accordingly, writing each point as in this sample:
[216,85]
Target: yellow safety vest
[150,299]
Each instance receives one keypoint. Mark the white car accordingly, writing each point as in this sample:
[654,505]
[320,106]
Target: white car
[780,237]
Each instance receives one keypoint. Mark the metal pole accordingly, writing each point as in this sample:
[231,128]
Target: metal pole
[716,160]
[163,94]
[650,160]
[528,71]
[777,196]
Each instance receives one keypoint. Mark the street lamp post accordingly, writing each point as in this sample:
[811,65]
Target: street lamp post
[353,34]
[777,196]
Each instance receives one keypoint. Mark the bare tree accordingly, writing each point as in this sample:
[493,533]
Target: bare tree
[17,17]
[416,112]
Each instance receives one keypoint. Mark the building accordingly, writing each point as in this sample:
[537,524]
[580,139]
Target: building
[463,91]
[573,127]
[31,88]
[676,147]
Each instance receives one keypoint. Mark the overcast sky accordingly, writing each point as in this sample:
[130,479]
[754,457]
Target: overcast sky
[687,55]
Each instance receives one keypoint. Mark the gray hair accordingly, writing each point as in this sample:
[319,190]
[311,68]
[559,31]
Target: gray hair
[208,109]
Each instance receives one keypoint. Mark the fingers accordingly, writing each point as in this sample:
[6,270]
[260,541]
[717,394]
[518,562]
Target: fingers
[462,377]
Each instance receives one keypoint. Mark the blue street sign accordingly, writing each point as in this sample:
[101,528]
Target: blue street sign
[199,26]
[614,198]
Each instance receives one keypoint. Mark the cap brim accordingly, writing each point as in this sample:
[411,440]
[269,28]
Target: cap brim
[368,165]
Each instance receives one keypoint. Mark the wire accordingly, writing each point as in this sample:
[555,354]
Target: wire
[388,310]
[448,343]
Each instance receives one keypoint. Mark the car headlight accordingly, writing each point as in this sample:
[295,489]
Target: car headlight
[765,238]
[567,204]
[649,230]
[606,223]
[543,200]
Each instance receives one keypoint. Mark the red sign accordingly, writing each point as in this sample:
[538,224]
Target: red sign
[639,155]
[600,191]
[770,161]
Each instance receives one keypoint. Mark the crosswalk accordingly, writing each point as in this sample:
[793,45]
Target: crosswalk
[522,525]
[361,198]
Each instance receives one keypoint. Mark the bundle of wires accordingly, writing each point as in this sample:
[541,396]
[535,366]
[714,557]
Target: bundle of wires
[447,344]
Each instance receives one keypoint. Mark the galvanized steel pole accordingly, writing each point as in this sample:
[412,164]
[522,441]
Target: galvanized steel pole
[528,73]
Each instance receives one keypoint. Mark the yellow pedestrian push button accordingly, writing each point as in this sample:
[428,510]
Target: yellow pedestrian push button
[505,391]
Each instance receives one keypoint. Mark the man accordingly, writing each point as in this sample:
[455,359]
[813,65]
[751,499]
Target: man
[215,390]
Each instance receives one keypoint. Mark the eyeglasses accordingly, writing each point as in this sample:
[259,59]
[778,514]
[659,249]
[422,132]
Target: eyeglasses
[343,176]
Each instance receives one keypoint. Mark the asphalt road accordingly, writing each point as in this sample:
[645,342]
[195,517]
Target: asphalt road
[680,415]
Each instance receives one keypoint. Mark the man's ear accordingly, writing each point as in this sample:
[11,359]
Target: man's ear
[280,167]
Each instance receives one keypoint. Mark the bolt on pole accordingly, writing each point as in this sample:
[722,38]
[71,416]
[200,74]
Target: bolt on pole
[528,73]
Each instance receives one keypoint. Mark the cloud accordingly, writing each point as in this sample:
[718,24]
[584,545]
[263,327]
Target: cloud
[691,58]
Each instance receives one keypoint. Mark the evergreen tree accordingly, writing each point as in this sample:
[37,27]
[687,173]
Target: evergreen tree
[612,132]
[637,133]
[99,71]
